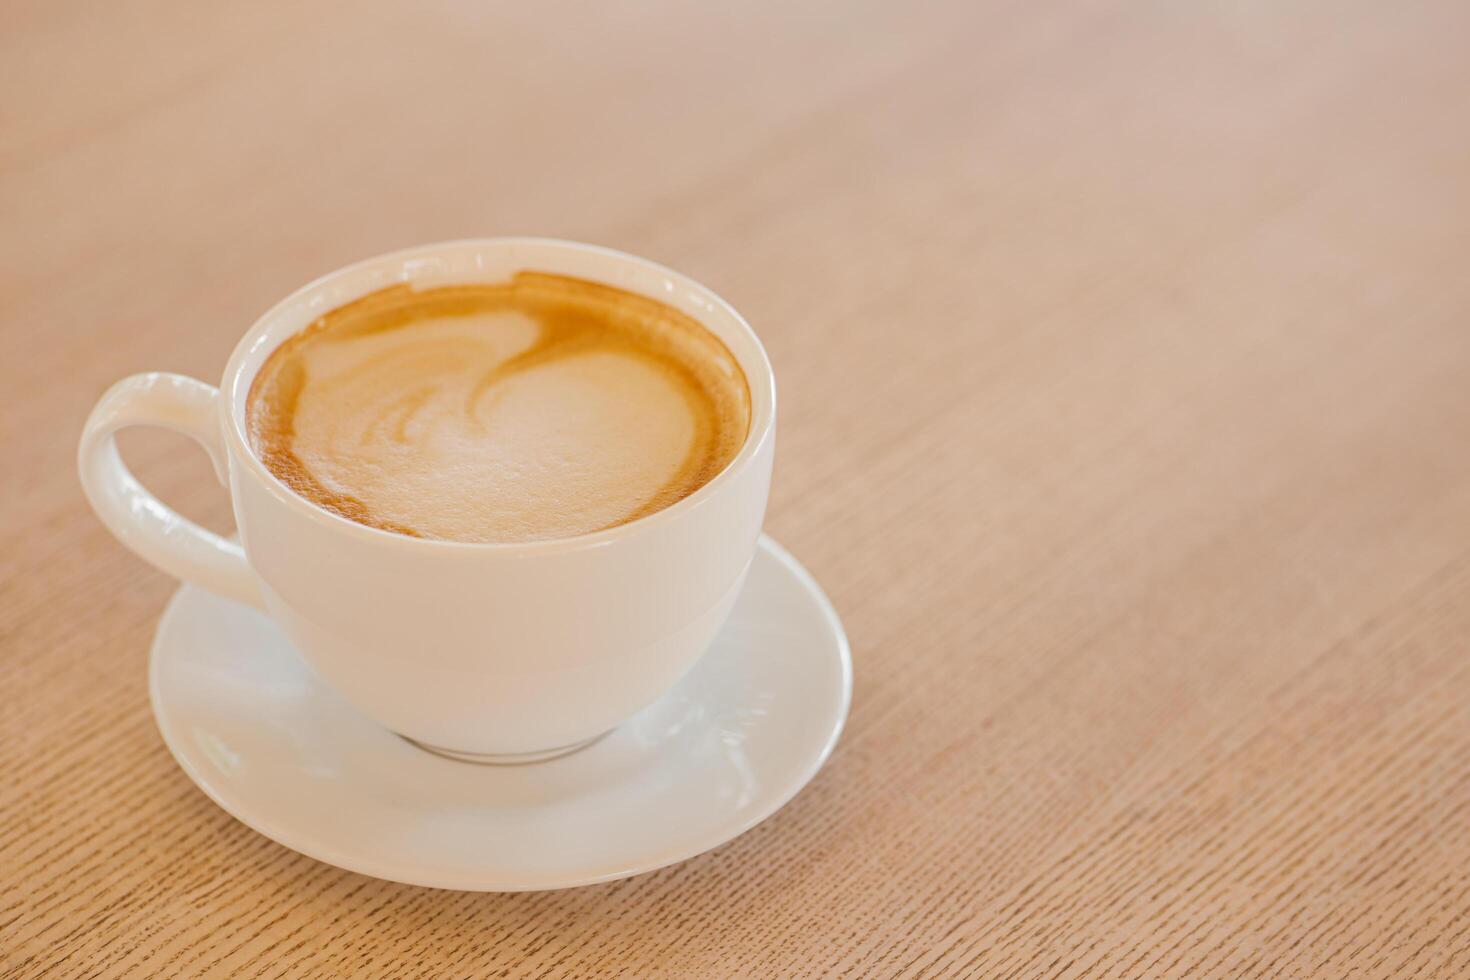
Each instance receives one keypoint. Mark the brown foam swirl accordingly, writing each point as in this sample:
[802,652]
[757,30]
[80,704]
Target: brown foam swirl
[542,407]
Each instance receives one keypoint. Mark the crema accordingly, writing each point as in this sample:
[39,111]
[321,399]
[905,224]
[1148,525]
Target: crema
[543,407]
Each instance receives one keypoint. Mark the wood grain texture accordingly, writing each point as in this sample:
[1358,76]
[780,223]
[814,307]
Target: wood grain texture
[1124,355]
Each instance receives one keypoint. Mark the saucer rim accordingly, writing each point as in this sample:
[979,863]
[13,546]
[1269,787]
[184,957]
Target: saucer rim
[446,878]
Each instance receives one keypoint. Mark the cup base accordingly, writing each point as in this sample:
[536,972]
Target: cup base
[506,758]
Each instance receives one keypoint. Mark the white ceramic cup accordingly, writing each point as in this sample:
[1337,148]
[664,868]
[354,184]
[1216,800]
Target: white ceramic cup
[501,652]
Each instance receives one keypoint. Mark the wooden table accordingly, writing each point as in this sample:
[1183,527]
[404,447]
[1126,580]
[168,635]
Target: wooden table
[1124,355]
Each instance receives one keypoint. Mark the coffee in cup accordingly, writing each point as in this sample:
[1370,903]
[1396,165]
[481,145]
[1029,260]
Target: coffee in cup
[575,444]
[543,407]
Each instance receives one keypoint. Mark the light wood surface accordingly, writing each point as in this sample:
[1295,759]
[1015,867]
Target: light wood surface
[1124,355]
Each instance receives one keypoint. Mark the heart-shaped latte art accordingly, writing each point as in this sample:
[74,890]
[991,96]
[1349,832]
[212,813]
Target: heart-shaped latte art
[497,413]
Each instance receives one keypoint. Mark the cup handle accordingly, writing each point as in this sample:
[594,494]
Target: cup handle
[138,519]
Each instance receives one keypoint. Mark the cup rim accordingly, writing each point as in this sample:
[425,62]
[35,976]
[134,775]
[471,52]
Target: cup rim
[762,420]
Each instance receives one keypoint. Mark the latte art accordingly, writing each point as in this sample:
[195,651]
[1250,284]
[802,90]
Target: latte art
[543,407]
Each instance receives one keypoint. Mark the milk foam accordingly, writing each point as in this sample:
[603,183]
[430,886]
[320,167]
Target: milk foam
[541,408]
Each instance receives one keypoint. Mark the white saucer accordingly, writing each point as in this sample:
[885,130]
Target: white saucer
[734,740]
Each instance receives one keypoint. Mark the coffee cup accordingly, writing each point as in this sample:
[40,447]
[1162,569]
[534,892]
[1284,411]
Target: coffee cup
[493,651]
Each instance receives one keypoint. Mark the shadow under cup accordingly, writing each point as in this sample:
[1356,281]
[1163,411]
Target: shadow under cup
[501,652]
